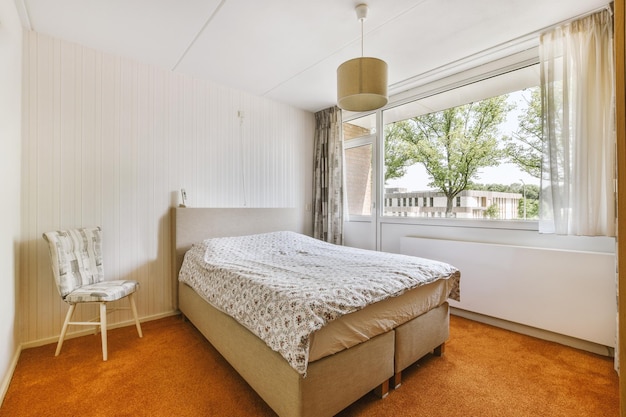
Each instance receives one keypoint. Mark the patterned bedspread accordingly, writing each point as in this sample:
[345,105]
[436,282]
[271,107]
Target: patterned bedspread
[284,286]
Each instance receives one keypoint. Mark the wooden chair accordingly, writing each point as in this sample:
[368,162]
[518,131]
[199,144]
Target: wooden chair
[76,258]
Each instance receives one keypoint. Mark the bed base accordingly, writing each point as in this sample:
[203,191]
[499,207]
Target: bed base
[331,384]
[418,337]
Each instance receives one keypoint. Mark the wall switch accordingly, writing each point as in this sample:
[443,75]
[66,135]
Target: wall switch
[183,195]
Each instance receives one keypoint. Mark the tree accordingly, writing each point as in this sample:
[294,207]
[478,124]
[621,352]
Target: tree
[492,212]
[397,153]
[452,144]
[525,147]
[532,208]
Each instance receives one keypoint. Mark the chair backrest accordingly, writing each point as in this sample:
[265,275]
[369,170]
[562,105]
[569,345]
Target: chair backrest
[76,257]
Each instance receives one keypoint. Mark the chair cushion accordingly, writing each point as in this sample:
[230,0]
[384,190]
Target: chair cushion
[102,291]
[76,257]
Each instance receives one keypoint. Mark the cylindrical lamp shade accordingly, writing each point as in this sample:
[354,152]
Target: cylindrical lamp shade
[362,84]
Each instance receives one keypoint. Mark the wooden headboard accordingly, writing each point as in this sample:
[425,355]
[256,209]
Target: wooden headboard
[192,225]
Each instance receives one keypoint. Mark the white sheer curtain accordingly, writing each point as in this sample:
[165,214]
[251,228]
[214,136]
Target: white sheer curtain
[577,81]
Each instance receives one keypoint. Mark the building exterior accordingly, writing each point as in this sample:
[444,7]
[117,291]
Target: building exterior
[468,204]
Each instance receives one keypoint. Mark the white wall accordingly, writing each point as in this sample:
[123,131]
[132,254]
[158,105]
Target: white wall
[496,293]
[563,291]
[109,141]
[10,123]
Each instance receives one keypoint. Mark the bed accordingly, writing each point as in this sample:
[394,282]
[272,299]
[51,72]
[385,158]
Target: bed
[336,373]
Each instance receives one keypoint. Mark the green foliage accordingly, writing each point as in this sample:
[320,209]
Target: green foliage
[532,209]
[397,154]
[492,212]
[525,147]
[532,192]
[453,144]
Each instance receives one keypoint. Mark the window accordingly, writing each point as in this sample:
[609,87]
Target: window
[359,137]
[473,151]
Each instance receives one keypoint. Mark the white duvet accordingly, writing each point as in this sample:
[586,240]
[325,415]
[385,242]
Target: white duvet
[284,286]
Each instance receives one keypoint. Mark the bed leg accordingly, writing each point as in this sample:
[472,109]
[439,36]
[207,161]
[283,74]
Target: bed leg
[382,390]
[396,380]
[440,350]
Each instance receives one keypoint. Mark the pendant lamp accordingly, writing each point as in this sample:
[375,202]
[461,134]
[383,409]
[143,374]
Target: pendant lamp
[362,82]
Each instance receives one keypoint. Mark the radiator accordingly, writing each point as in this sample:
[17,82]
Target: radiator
[563,291]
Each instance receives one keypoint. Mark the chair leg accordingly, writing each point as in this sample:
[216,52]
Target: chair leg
[133,307]
[66,323]
[103,329]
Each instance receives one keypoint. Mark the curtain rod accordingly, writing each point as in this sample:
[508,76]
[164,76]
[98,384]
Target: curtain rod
[608,7]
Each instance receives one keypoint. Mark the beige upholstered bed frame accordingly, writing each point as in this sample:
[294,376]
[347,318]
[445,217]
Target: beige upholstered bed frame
[332,383]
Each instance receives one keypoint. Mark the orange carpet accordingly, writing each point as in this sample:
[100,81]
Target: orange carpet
[173,371]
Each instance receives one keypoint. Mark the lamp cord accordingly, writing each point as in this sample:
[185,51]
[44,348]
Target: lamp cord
[362,37]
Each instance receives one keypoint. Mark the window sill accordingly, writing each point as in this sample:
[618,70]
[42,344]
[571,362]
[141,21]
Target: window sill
[532,225]
[359,218]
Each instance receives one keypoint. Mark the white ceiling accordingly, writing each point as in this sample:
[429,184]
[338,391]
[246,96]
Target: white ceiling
[289,50]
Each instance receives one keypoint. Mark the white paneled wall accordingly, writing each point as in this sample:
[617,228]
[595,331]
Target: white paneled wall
[563,291]
[108,141]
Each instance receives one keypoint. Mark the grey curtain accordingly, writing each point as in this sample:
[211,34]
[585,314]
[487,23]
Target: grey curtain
[328,177]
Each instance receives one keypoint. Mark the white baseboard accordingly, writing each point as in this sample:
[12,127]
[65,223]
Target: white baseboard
[4,387]
[534,332]
[88,331]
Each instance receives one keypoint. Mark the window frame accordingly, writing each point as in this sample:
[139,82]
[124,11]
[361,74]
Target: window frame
[355,143]
[465,77]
